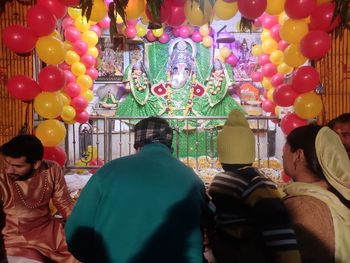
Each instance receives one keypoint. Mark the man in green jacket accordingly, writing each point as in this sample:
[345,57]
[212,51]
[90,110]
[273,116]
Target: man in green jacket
[146,207]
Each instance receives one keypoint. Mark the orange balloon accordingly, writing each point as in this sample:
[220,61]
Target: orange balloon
[134,9]
[51,132]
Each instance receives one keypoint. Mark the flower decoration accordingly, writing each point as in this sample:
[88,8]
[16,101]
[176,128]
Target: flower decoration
[159,90]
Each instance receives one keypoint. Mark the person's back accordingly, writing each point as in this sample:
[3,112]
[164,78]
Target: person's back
[146,207]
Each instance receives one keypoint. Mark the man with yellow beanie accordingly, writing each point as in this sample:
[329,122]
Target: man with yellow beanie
[252,223]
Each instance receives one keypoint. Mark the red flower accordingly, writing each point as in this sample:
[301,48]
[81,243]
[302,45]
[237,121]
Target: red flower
[198,89]
[159,90]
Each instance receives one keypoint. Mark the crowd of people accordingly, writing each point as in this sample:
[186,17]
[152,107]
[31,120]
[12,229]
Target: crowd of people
[150,207]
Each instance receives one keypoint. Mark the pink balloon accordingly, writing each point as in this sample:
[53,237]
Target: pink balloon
[275,32]
[322,18]
[96,29]
[264,59]
[232,60]
[268,106]
[72,34]
[269,21]
[315,44]
[82,117]
[64,66]
[23,88]
[70,77]
[282,45]
[41,20]
[291,121]
[268,70]
[88,60]
[71,3]
[80,47]
[79,103]
[51,79]
[184,31]
[72,89]
[19,39]
[131,22]
[92,72]
[257,76]
[176,31]
[150,37]
[105,22]
[305,79]
[299,9]
[251,9]
[164,38]
[56,154]
[284,95]
[277,79]
[130,32]
[67,22]
[197,37]
[55,7]
[176,15]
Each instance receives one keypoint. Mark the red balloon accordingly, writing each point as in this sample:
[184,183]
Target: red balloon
[72,89]
[284,95]
[41,20]
[291,121]
[298,9]
[269,21]
[268,106]
[92,72]
[305,79]
[72,34]
[23,88]
[80,47]
[176,15]
[257,76]
[315,44]
[71,3]
[251,9]
[79,103]
[277,79]
[88,60]
[19,39]
[51,78]
[82,117]
[56,154]
[268,70]
[322,18]
[263,59]
[55,7]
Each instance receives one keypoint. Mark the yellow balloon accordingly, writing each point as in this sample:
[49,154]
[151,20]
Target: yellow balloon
[276,57]
[207,41]
[74,12]
[141,30]
[266,83]
[269,93]
[225,52]
[269,45]
[293,30]
[51,132]
[71,57]
[293,57]
[87,94]
[224,10]
[50,50]
[68,113]
[93,51]
[70,122]
[90,38]
[265,34]
[48,105]
[134,9]
[308,105]
[195,15]
[275,7]
[64,98]
[82,24]
[257,50]
[84,81]
[283,17]
[158,32]
[283,68]
[98,11]
[204,30]
[67,45]
[78,68]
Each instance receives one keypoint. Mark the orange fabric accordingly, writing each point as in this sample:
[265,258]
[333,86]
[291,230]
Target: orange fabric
[30,231]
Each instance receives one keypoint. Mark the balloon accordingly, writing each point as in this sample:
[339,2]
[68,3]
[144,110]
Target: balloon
[93,51]
[55,7]
[84,81]
[275,32]
[72,34]
[48,105]
[164,38]
[257,76]
[80,47]
[270,92]
[265,34]
[282,45]
[268,106]
[204,30]
[299,9]
[88,60]
[305,79]
[96,29]
[105,22]
[50,50]
[88,95]
[51,132]
[232,60]
[195,15]
[283,68]
[185,31]
[276,57]
[256,50]
[79,103]
[98,11]
[207,41]
[284,95]
[141,30]
[322,18]
[71,57]
[282,18]
[293,30]
[266,83]
[64,98]
[90,37]
[70,2]
[69,76]
[176,16]
[308,105]
[224,10]
[68,113]
[150,37]
[23,88]
[315,44]
[158,32]
[41,20]
[72,89]
[95,162]
[134,9]
[269,21]
[251,9]
[78,68]
[225,52]
[293,56]
[269,45]
[82,24]
[130,32]
[92,72]
[82,117]
[268,70]
[277,79]
[51,78]
[263,59]
[291,121]
[67,22]
[197,37]
[56,154]
[19,38]
[274,7]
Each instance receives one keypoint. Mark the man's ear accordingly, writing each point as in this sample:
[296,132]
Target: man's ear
[299,155]
[37,164]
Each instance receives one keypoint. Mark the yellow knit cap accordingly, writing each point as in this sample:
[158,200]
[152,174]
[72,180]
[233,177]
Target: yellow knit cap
[236,141]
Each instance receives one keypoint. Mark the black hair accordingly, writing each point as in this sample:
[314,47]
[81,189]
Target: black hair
[24,145]
[342,118]
[304,138]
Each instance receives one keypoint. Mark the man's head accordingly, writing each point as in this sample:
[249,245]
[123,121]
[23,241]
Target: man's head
[153,130]
[341,125]
[236,141]
[22,155]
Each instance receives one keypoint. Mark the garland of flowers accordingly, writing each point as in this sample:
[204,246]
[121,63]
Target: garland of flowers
[144,83]
[170,109]
[215,83]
